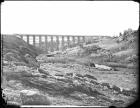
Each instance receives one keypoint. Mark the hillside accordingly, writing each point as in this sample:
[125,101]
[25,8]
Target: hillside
[14,48]
[100,72]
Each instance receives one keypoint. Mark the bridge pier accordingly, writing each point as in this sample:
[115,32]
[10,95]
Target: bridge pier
[51,44]
[57,43]
[78,39]
[40,41]
[46,44]
[68,41]
[73,40]
[33,40]
[27,39]
[62,43]
[83,39]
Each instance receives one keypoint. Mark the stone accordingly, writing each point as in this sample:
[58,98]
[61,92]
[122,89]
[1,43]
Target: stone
[105,84]
[69,74]
[11,95]
[31,61]
[90,76]
[102,67]
[30,97]
[43,71]
[116,88]
[79,75]
[94,82]
[59,74]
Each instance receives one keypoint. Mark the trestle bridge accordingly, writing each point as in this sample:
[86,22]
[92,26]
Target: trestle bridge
[50,43]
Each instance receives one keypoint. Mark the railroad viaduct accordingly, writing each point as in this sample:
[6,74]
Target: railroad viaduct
[50,43]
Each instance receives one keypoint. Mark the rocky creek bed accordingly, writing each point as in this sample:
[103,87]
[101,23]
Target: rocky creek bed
[66,84]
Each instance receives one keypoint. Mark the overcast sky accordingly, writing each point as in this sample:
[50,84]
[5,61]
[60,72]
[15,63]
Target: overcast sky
[69,17]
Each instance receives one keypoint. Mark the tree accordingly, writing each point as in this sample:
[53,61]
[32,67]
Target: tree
[120,34]
[127,33]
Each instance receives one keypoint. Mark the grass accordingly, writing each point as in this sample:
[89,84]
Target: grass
[120,65]
[62,60]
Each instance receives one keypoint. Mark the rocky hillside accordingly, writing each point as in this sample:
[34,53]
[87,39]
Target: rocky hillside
[14,48]
[121,50]
[127,49]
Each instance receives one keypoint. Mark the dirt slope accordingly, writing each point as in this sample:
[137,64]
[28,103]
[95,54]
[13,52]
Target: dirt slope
[15,48]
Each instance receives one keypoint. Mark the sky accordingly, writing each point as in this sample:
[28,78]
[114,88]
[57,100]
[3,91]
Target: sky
[69,17]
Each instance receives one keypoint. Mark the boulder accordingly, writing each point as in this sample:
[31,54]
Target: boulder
[131,92]
[31,97]
[102,67]
[114,87]
[90,76]
[59,74]
[94,82]
[43,71]
[79,75]
[105,84]
[69,74]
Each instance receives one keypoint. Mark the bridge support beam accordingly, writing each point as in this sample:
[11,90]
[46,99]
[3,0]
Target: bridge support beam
[57,43]
[62,42]
[51,43]
[78,39]
[68,41]
[28,39]
[34,40]
[83,38]
[73,40]
[46,44]
[40,41]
